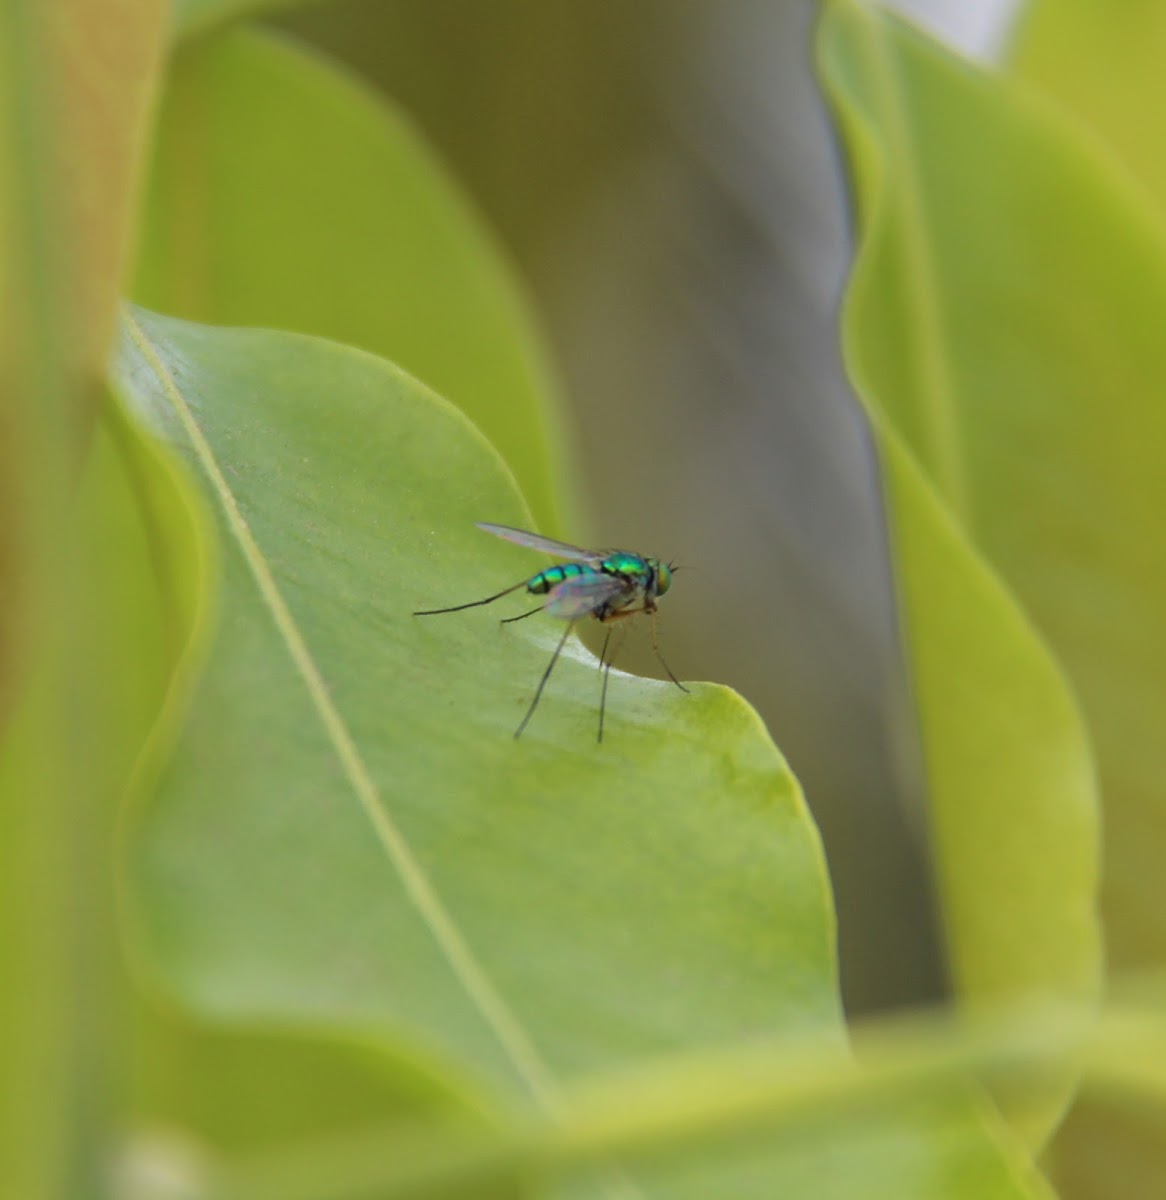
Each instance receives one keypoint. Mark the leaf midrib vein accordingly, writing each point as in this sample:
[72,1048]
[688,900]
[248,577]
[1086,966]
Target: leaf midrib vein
[469,972]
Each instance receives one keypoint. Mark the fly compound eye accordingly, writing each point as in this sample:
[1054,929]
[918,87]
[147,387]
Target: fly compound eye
[663,578]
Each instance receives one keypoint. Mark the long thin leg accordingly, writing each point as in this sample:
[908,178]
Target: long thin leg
[603,652]
[522,616]
[660,656]
[543,681]
[605,667]
[433,612]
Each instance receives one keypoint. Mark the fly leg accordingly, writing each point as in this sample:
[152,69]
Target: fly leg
[529,613]
[543,681]
[433,612]
[651,611]
[605,663]
[656,647]
[605,667]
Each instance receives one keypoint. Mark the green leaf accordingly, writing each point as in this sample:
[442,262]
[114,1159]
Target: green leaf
[1111,249]
[191,17]
[137,554]
[214,1100]
[75,103]
[70,120]
[350,840]
[975,269]
[382,812]
[251,1089]
[1101,64]
[287,195]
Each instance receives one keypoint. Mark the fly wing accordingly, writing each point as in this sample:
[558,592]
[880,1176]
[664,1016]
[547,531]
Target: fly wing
[583,594]
[535,542]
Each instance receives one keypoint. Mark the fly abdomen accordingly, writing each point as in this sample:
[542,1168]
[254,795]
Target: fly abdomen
[542,583]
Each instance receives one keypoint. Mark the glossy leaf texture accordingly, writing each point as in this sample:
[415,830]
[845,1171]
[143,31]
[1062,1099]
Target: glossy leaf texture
[976,272]
[349,840]
[370,243]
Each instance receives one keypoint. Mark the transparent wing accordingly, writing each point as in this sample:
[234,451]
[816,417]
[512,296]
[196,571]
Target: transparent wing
[583,594]
[548,545]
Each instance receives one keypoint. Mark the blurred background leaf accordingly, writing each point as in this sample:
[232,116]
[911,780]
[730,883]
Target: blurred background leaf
[1108,625]
[213,1100]
[285,194]
[190,18]
[73,561]
[959,252]
[68,178]
[137,557]
[1100,65]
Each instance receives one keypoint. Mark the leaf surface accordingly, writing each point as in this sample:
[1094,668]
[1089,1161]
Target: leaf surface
[349,839]
[376,748]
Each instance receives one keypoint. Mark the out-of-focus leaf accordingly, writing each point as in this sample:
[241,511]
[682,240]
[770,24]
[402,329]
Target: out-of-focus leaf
[285,194]
[213,1101]
[351,840]
[979,289]
[137,556]
[73,104]
[1106,369]
[1102,63]
[73,101]
[248,1089]
[191,17]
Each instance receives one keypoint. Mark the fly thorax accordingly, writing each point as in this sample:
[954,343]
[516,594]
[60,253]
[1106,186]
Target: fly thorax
[633,570]
[628,566]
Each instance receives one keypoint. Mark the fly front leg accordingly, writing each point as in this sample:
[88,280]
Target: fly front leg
[656,647]
[648,607]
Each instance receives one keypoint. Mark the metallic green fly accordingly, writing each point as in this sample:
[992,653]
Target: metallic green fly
[606,584]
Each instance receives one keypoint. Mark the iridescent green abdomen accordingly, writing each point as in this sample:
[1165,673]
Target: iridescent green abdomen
[632,569]
[540,584]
